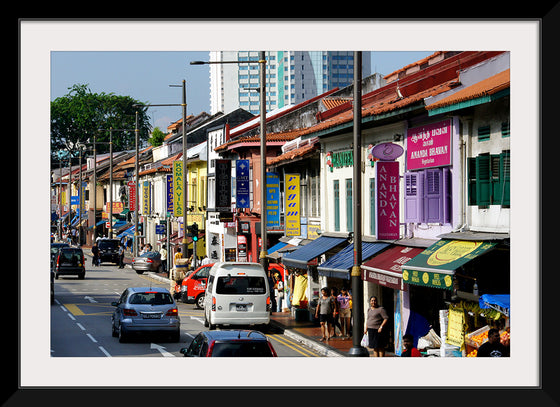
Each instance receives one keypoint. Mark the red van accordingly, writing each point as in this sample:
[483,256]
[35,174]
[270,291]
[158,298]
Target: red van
[194,285]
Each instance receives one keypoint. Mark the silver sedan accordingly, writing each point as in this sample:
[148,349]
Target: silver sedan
[145,310]
[150,261]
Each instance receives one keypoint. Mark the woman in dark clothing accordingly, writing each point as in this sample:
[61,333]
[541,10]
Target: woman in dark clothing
[375,322]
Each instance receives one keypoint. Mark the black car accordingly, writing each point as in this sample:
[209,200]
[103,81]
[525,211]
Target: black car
[108,250]
[70,261]
[55,247]
[230,343]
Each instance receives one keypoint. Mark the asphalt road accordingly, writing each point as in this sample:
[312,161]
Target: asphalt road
[81,319]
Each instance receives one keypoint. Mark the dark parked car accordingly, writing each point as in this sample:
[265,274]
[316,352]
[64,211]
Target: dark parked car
[108,250]
[55,247]
[232,343]
[70,261]
[145,310]
[149,261]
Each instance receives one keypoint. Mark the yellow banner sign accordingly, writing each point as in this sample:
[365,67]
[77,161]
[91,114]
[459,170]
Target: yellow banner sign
[178,188]
[456,327]
[292,207]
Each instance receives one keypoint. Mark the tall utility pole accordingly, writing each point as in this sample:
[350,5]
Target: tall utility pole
[262,83]
[356,274]
[185,244]
[136,203]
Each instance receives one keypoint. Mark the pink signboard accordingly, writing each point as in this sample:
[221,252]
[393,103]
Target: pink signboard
[428,146]
[387,191]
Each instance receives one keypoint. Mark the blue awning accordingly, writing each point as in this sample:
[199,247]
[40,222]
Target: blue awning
[299,258]
[127,232]
[339,265]
[277,246]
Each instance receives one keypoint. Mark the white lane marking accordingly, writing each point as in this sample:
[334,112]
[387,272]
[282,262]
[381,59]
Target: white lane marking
[81,326]
[102,349]
[91,337]
[71,316]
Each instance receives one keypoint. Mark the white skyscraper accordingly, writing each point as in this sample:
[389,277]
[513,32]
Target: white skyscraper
[291,77]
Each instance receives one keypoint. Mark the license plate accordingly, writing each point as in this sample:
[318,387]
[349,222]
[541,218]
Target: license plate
[151,316]
[241,307]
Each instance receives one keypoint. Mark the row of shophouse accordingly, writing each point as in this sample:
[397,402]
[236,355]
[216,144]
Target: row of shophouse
[435,196]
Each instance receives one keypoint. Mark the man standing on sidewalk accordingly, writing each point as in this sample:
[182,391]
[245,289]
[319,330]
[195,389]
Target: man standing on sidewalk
[121,256]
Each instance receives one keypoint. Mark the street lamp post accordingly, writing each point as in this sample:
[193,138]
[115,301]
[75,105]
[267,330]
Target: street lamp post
[356,275]
[262,90]
[184,203]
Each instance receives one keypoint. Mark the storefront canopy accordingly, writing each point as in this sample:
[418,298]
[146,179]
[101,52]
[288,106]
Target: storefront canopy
[499,302]
[299,258]
[339,265]
[386,268]
[436,265]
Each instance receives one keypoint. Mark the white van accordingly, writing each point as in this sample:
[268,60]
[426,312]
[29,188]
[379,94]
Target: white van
[237,293]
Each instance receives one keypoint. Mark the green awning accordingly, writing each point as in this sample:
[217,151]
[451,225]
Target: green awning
[436,265]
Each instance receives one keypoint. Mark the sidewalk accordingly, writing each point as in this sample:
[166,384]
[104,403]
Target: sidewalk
[306,332]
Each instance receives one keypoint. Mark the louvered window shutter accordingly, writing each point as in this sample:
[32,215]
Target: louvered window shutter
[471,174]
[447,202]
[505,177]
[413,197]
[483,186]
[433,196]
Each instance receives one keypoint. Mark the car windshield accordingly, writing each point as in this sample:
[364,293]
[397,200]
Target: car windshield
[241,348]
[240,285]
[108,244]
[70,256]
[153,298]
[149,254]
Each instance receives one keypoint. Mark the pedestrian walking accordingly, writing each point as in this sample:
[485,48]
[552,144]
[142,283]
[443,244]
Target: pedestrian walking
[278,291]
[163,253]
[121,256]
[336,311]
[376,320]
[345,311]
[324,312]
[95,253]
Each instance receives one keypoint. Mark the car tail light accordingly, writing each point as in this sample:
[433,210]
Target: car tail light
[129,312]
[148,260]
[173,312]
[268,303]
[272,349]
[210,349]
[213,303]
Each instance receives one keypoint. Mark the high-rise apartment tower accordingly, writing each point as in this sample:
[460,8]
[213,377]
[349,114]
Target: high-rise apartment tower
[291,77]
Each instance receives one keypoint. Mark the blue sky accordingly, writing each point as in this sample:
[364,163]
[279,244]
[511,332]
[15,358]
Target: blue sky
[146,76]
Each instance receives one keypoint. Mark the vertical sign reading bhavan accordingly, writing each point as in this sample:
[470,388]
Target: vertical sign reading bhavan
[178,188]
[223,185]
[292,207]
[387,210]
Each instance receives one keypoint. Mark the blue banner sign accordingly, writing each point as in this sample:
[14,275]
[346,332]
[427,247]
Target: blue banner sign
[272,199]
[242,184]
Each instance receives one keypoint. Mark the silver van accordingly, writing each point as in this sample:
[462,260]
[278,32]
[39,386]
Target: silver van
[237,293]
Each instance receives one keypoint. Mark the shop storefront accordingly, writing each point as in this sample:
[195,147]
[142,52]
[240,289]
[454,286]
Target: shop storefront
[451,277]
[302,266]
[383,275]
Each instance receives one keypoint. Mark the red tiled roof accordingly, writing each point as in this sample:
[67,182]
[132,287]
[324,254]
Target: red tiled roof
[270,138]
[485,87]
[292,154]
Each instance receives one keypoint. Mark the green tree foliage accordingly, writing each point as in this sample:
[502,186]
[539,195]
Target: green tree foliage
[78,115]
[157,137]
